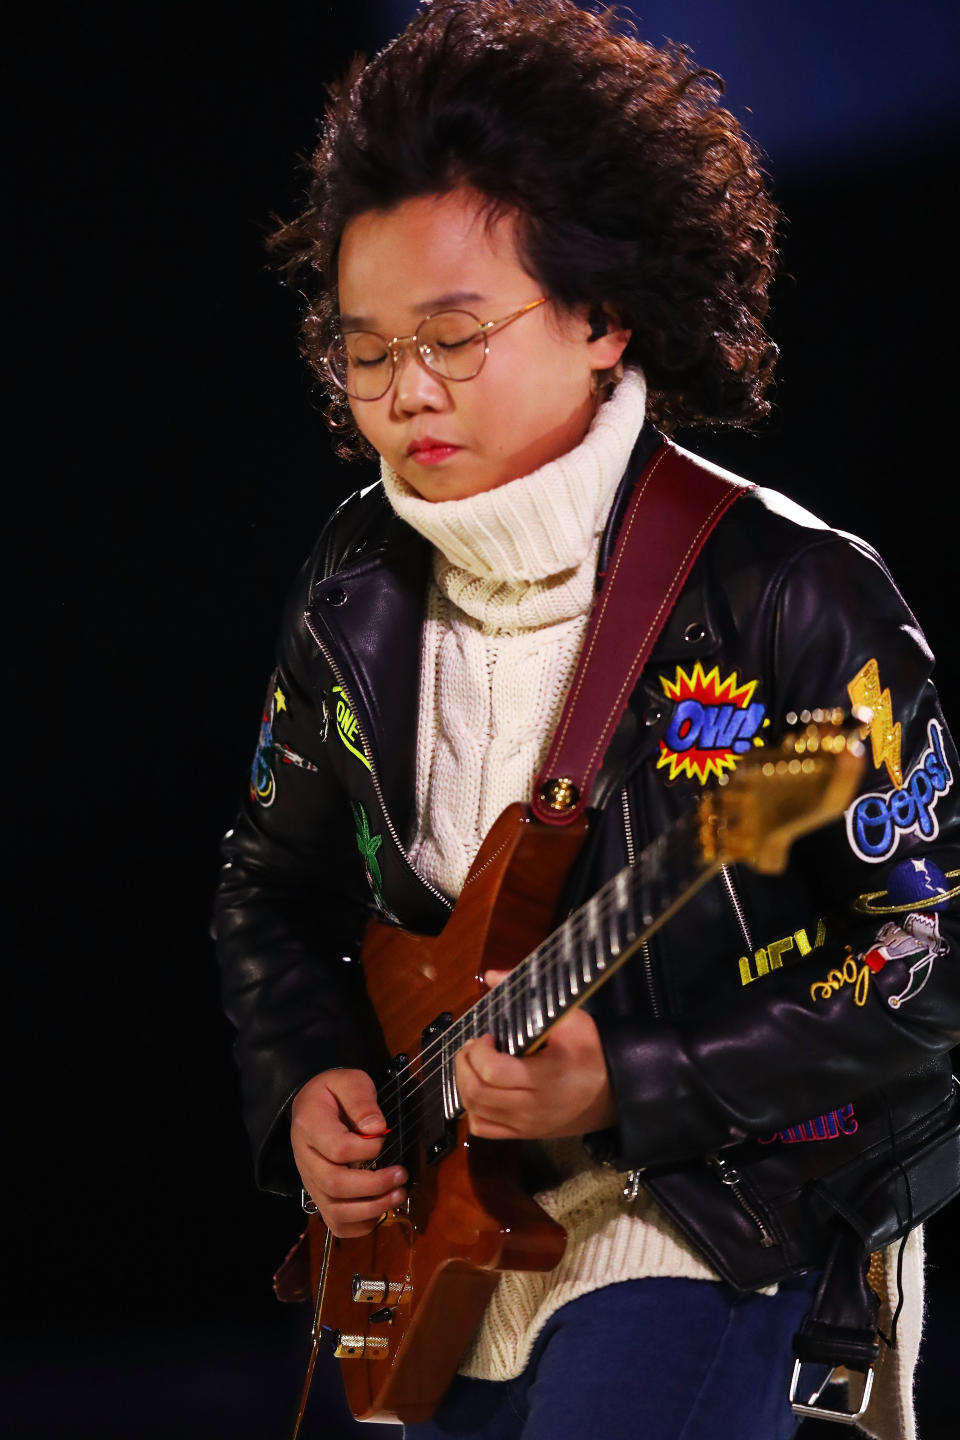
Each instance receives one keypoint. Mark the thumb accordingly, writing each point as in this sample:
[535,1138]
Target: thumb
[356,1095]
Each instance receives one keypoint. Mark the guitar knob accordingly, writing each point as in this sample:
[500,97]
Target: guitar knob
[360,1347]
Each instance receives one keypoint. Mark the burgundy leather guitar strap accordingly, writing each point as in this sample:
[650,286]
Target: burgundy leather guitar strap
[677,501]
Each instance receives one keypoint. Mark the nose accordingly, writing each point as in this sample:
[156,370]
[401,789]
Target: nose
[415,386]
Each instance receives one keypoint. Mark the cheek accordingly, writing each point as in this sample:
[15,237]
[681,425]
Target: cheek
[369,421]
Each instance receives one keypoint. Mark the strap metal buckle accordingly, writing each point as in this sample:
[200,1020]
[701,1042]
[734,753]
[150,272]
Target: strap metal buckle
[814,1409]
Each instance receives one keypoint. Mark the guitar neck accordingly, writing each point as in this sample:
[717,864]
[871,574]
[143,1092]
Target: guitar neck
[582,953]
[776,796]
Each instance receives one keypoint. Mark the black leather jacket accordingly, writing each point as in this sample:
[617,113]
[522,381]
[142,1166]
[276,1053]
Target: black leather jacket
[762,1088]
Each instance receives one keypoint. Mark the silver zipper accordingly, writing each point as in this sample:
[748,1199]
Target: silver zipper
[737,907]
[391,828]
[628,828]
[644,947]
[730,1176]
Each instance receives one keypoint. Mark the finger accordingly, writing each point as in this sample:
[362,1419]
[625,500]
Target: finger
[358,1217]
[484,1063]
[340,1182]
[488,1127]
[491,978]
[341,1146]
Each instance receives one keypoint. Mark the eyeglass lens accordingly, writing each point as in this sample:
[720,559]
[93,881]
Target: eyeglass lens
[452,343]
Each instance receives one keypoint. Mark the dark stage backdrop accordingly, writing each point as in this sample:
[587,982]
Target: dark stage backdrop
[172,474]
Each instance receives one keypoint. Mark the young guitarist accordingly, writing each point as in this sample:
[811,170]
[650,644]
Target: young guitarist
[530,245]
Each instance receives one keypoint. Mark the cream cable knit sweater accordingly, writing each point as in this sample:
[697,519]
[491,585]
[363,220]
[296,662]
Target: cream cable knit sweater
[507,610]
[513,583]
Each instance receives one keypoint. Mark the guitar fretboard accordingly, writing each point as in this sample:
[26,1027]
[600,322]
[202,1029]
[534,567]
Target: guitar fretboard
[582,953]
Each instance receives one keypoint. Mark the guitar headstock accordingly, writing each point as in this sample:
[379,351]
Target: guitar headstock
[779,793]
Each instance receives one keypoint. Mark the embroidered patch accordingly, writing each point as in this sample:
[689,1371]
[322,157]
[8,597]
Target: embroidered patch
[347,726]
[368,845]
[851,972]
[877,821]
[914,885]
[864,691]
[714,722]
[831,1126]
[918,934]
[770,957]
[263,783]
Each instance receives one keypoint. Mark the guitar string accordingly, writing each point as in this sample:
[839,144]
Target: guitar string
[648,867]
[402,1095]
[499,1002]
[507,990]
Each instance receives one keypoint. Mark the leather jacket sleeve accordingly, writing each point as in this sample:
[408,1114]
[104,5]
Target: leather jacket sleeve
[290,910]
[798,1044]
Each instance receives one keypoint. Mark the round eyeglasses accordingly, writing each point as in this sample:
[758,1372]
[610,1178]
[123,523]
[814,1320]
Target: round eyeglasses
[452,343]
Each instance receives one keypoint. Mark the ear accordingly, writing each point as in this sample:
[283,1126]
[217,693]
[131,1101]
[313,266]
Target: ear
[607,339]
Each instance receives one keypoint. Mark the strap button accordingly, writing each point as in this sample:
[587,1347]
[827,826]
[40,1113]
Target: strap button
[560,794]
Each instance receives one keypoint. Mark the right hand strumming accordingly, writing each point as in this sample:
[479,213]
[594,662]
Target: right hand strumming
[336,1126]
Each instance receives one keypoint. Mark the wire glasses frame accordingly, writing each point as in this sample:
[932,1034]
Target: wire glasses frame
[451,343]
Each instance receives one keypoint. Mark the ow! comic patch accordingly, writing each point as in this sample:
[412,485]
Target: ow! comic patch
[263,780]
[877,821]
[713,723]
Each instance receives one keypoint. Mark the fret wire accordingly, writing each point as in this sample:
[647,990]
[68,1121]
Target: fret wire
[536,983]
[514,1018]
[613,898]
[445,1075]
[520,1019]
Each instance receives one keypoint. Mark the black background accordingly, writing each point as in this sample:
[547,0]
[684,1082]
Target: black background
[171,474]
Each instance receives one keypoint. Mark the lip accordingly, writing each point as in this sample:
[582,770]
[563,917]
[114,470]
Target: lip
[428,450]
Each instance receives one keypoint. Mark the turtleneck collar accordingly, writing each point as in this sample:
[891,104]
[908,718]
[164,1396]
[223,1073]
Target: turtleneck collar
[544,524]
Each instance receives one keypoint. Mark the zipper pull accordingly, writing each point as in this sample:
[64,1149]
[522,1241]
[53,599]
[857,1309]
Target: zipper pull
[728,1173]
[631,1186]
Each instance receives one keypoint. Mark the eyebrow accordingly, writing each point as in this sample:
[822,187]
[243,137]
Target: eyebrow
[425,307]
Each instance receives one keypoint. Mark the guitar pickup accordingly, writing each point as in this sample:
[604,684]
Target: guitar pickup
[441,1103]
[360,1347]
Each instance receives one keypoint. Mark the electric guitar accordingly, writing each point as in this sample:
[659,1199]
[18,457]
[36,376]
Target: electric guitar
[400,1305]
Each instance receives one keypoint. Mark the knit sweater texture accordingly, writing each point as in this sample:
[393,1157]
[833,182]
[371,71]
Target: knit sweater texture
[512,586]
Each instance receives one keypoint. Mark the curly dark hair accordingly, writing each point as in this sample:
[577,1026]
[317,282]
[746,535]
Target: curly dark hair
[634,188]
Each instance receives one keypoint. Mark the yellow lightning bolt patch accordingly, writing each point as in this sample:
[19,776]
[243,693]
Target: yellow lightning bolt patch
[864,689]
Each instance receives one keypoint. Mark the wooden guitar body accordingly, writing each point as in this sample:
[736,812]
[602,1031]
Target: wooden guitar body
[466,1218]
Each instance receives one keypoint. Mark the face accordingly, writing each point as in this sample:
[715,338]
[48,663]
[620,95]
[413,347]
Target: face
[534,398]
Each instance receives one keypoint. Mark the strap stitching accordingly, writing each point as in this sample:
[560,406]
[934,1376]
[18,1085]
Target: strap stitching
[631,677]
[604,601]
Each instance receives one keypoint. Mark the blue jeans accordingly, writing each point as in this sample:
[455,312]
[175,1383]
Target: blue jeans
[643,1360]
